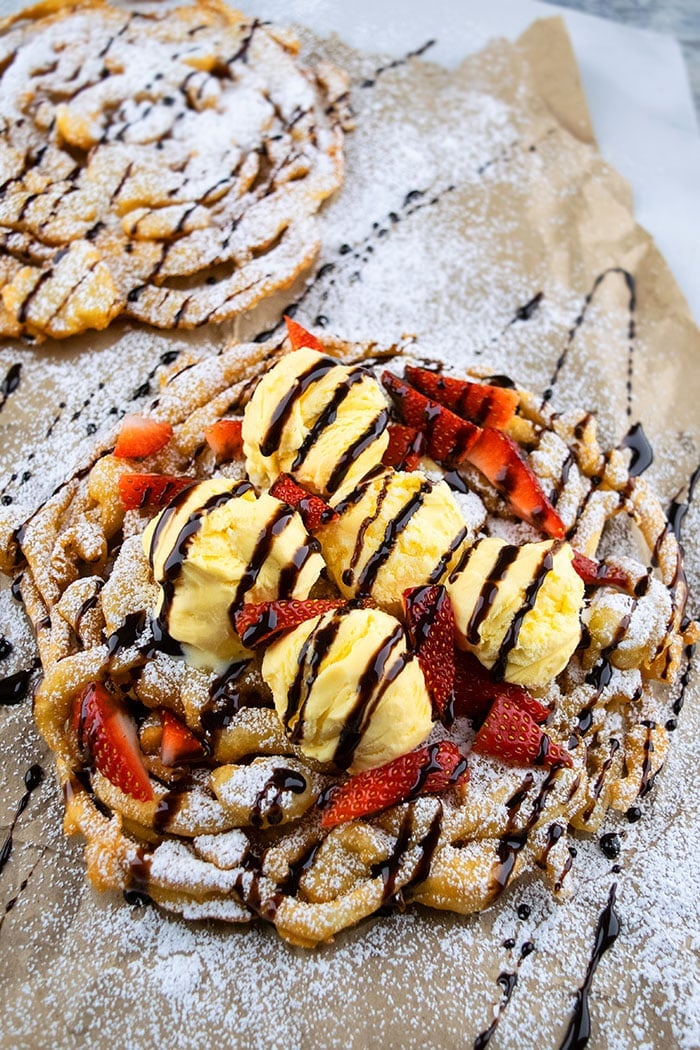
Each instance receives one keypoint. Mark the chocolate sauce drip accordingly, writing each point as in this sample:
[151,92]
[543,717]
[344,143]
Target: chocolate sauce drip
[507,983]
[510,639]
[128,633]
[270,441]
[524,313]
[32,779]
[601,673]
[515,838]
[328,415]
[175,560]
[396,62]
[554,833]
[225,699]
[428,844]
[393,530]
[261,552]
[14,688]
[298,868]
[348,574]
[678,509]
[642,453]
[489,591]
[444,563]
[607,931]
[500,380]
[171,803]
[371,687]
[358,492]
[629,280]
[610,845]
[614,746]
[267,807]
[6,647]
[10,383]
[312,653]
[684,679]
[388,869]
[456,482]
[355,450]
[647,780]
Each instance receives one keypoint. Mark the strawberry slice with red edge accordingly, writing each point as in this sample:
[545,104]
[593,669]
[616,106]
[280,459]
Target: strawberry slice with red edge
[447,436]
[141,436]
[428,771]
[261,622]
[598,574]
[314,511]
[178,743]
[107,733]
[475,691]
[298,336]
[430,625]
[405,448]
[500,460]
[150,491]
[485,405]
[511,734]
[225,439]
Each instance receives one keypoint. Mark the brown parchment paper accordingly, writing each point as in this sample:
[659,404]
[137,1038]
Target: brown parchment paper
[468,194]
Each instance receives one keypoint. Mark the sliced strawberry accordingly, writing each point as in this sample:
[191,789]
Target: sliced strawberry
[426,771]
[405,448]
[492,406]
[298,336]
[141,436]
[511,734]
[107,733]
[225,439]
[430,625]
[313,510]
[178,743]
[475,691]
[499,458]
[149,491]
[448,437]
[598,574]
[262,621]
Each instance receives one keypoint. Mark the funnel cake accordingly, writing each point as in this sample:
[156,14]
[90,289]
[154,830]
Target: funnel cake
[233,817]
[164,166]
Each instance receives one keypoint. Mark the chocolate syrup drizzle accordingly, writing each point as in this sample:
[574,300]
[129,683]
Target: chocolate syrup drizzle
[32,779]
[579,1031]
[10,383]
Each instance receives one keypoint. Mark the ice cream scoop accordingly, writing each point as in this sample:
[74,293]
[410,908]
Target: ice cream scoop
[347,689]
[216,546]
[323,422]
[396,530]
[517,608]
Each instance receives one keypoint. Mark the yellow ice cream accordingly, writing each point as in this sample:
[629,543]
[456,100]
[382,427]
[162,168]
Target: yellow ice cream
[321,421]
[347,690]
[396,530]
[518,608]
[216,546]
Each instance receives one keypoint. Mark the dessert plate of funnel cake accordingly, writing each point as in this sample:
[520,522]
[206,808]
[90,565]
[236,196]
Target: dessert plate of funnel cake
[346,473]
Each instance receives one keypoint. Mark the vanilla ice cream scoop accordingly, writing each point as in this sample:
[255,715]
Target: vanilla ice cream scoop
[323,422]
[216,546]
[396,530]
[518,608]
[347,690]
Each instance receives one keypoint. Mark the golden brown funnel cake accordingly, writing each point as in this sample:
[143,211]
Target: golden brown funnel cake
[234,831]
[165,166]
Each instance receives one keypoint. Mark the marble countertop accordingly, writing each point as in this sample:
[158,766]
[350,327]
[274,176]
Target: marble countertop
[679,18]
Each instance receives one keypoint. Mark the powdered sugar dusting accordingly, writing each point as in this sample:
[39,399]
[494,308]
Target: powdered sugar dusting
[437,272]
